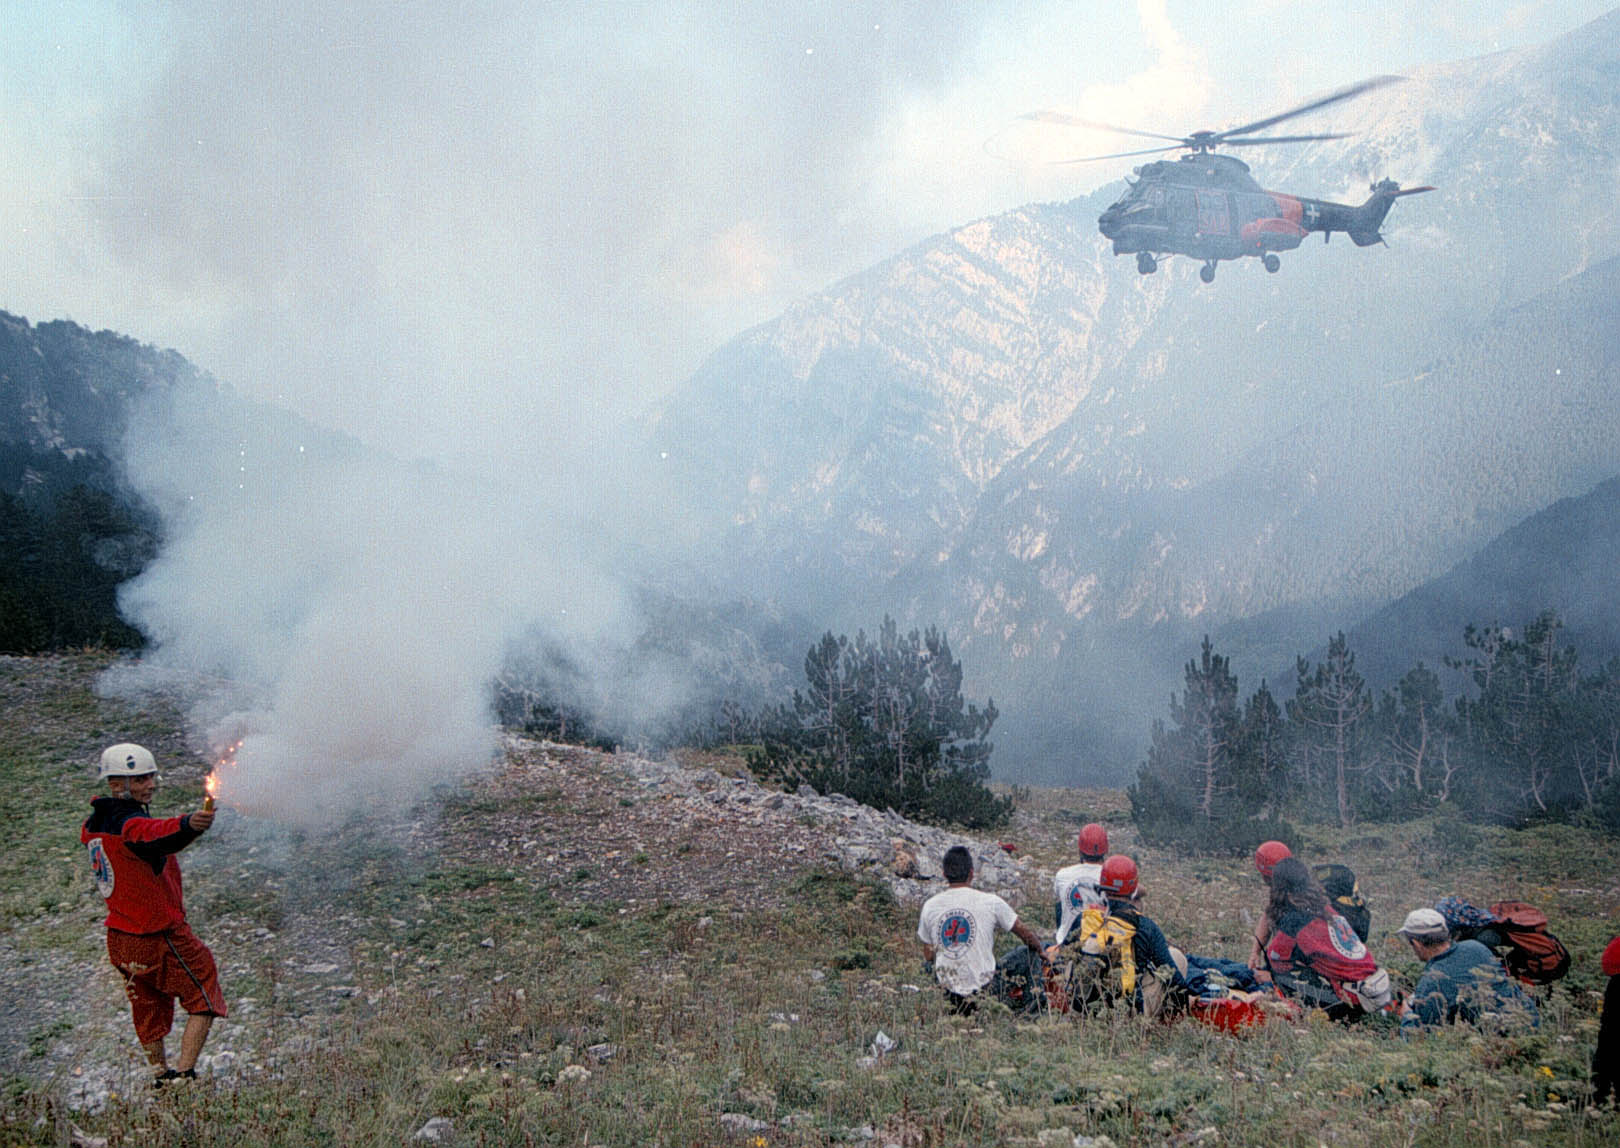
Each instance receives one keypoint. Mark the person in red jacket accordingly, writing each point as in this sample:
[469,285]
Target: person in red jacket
[132,856]
[1314,955]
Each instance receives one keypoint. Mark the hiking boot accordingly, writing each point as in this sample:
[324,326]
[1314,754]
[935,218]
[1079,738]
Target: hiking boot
[170,1075]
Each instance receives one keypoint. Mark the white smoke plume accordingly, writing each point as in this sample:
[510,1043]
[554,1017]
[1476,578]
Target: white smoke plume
[339,612]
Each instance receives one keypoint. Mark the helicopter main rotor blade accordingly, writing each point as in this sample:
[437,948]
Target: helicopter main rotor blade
[1349,93]
[1067,120]
[1284,139]
[1203,141]
[1120,154]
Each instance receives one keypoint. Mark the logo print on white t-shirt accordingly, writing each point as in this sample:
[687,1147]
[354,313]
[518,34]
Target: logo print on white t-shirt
[956,931]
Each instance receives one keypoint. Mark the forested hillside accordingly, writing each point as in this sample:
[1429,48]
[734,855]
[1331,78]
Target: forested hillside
[70,531]
[1563,559]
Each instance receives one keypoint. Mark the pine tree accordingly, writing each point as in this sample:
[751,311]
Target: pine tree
[1329,714]
[831,711]
[1595,748]
[1203,782]
[1262,780]
[883,720]
[1416,756]
[1518,724]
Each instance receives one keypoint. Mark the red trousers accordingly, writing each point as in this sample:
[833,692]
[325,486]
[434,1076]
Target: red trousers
[158,968]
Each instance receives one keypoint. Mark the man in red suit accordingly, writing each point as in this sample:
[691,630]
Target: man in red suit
[132,856]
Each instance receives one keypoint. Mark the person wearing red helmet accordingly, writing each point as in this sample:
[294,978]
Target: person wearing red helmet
[1160,979]
[1606,1057]
[132,857]
[1075,886]
[1266,856]
[1118,879]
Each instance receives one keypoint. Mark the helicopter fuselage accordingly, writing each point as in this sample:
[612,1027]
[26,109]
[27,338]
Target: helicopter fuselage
[1209,207]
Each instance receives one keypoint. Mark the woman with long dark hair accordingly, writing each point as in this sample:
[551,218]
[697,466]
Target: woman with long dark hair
[1314,955]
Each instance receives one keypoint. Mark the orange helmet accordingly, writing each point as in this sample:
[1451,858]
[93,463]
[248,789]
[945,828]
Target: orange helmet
[1093,841]
[1118,878]
[1267,856]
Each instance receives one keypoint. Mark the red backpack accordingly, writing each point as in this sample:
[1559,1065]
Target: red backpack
[1533,954]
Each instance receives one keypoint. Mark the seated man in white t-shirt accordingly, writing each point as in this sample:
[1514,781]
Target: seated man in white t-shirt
[957,930]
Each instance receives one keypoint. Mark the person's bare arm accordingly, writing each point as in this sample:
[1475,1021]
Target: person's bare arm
[1257,949]
[1026,934]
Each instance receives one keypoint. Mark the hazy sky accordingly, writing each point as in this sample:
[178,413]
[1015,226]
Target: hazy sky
[497,226]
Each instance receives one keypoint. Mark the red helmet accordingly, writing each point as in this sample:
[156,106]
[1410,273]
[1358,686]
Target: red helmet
[1093,841]
[1118,877]
[1267,856]
[1611,958]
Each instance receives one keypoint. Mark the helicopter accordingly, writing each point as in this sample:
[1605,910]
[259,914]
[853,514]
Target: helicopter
[1207,205]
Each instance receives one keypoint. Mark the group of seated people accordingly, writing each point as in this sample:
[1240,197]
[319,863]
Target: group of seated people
[1105,947]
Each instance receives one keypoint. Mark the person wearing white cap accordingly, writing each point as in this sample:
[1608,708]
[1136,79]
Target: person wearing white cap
[1462,981]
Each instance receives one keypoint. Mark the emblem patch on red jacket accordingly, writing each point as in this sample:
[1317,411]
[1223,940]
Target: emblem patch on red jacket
[1344,939]
[100,867]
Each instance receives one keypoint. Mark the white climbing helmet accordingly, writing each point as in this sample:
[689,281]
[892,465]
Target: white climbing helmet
[126,759]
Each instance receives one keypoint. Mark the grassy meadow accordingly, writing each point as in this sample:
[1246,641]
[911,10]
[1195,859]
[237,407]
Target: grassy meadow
[523,1012]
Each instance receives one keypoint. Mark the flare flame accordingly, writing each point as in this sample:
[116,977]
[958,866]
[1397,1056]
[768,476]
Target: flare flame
[211,783]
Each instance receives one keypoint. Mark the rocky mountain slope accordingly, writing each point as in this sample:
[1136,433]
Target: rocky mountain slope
[1008,430]
[65,398]
[1078,470]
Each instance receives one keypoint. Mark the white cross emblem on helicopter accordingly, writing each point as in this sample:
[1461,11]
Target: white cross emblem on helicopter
[1311,214]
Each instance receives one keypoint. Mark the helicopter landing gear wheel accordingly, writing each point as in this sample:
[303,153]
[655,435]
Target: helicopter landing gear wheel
[1270,262]
[1207,272]
[1145,263]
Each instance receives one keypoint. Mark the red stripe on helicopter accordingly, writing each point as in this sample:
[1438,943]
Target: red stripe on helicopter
[1288,208]
[1284,224]
[1257,231]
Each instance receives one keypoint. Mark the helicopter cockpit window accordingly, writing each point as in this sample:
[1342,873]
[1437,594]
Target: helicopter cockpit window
[1139,199]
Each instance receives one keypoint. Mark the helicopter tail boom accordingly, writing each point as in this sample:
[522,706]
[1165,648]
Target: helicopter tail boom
[1369,217]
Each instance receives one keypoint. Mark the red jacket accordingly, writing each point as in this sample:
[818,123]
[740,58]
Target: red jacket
[131,857]
[1328,947]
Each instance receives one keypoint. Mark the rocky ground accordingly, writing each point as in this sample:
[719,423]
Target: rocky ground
[584,827]
[652,831]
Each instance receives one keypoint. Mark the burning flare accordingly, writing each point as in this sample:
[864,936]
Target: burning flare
[212,781]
